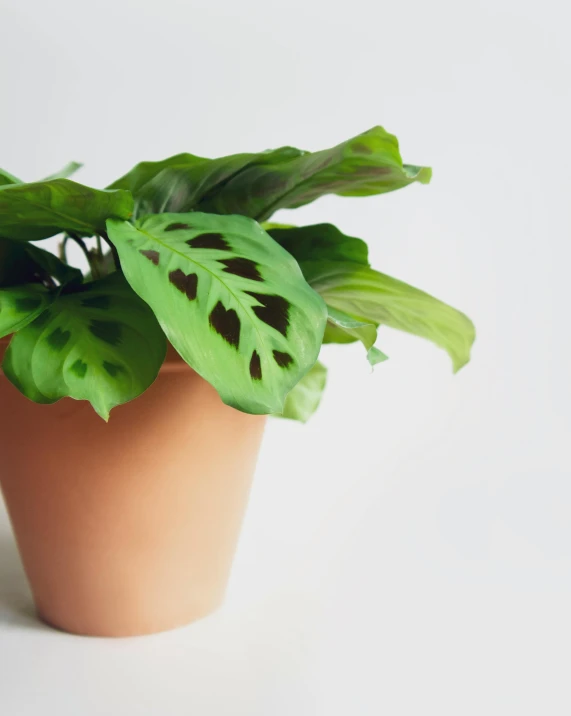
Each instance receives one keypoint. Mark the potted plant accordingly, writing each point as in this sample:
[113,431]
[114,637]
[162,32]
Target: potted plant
[215,318]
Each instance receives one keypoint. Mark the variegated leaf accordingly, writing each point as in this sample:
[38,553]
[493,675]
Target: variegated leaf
[233,303]
[20,305]
[100,343]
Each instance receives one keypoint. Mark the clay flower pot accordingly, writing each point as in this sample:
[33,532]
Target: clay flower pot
[127,527]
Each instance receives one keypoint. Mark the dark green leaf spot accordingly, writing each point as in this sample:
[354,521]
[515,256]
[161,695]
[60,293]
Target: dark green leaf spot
[176,226]
[153,256]
[102,302]
[209,241]
[255,366]
[27,304]
[58,338]
[112,368]
[79,368]
[284,360]
[42,319]
[226,324]
[108,331]
[246,268]
[274,311]
[360,148]
[186,284]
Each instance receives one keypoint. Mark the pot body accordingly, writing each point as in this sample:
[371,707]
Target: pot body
[128,527]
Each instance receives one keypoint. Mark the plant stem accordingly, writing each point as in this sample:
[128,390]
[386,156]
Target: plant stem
[105,237]
[90,256]
[61,249]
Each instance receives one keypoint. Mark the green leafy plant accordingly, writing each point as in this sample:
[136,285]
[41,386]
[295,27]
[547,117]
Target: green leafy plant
[182,249]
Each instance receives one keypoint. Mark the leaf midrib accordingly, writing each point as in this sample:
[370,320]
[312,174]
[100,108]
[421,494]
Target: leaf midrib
[247,310]
[274,206]
[51,210]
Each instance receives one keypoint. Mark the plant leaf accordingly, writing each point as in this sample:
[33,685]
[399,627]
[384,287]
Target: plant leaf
[363,166]
[66,172]
[303,400]
[21,305]
[369,296]
[179,183]
[22,263]
[308,243]
[100,344]
[29,212]
[52,265]
[257,185]
[325,241]
[16,266]
[353,329]
[232,302]
[6,178]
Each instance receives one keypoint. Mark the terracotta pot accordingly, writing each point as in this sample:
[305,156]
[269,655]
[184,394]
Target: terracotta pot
[127,527]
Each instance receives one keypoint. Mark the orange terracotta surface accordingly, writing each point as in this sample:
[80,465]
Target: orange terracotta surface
[128,527]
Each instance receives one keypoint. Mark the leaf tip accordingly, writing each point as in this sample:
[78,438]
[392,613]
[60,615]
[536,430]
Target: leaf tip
[376,356]
[423,175]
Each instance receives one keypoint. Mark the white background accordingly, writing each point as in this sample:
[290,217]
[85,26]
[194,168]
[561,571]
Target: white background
[408,552]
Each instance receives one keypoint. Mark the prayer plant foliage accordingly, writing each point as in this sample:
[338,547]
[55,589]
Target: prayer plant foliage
[181,249]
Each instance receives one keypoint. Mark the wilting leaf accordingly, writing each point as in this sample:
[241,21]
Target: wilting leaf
[66,172]
[304,399]
[100,344]
[29,212]
[20,305]
[6,178]
[365,165]
[232,302]
[369,296]
[349,329]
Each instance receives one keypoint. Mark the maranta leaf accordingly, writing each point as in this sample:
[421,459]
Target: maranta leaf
[325,241]
[257,185]
[369,296]
[304,399]
[20,305]
[180,183]
[100,343]
[233,303]
[359,299]
[29,212]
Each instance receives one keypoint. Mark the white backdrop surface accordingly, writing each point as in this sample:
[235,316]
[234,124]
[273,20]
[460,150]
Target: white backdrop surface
[408,551]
